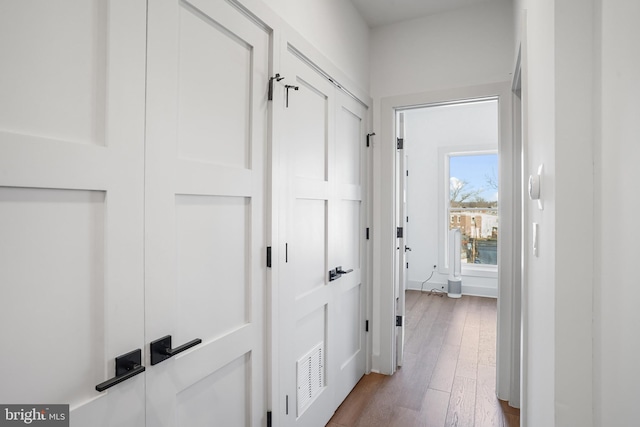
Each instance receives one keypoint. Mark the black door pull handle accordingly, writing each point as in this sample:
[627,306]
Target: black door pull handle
[339,270]
[161,348]
[337,273]
[127,366]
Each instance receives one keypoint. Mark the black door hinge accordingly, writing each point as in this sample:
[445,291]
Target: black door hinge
[366,326]
[398,320]
[367,233]
[268,418]
[269,256]
[400,143]
[399,232]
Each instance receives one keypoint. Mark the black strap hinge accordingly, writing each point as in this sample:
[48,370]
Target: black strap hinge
[271,79]
[369,135]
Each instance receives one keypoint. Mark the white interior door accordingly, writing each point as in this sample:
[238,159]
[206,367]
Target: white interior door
[348,228]
[205,181]
[321,312]
[71,204]
[401,248]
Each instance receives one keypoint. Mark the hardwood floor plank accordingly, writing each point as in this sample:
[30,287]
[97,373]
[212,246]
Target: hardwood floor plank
[488,331]
[511,420]
[442,378]
[461,411]
[380,409]
[427,332]
[488,412]
[454,332]
[411,298]
[403,417]
[434,409]
[352,408]
[435,357]
[467,368]
[421,320]
[420,371]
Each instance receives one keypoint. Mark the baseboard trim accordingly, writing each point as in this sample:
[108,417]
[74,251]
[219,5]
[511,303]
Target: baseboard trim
[478,291]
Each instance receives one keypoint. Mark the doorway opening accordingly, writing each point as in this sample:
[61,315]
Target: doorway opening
[451,181]
[483,279]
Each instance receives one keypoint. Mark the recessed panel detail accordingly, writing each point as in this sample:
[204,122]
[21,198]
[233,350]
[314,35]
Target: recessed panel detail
[348,231]
[46,64]
[214,92]
[309,138]
[351,326]
[348,145]
[212,236]
[52,285]
[307,250]
[310,330]
[220,399]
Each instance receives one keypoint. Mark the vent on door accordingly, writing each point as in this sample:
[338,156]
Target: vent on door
[310,377]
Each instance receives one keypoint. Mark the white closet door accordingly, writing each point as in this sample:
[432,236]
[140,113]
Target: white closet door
[321,317]
[71,204]
[348,228]
[205,267]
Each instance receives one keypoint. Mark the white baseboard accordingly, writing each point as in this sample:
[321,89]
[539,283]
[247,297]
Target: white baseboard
[479,291]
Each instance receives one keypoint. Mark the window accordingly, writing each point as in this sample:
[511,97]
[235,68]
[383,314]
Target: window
[473,205]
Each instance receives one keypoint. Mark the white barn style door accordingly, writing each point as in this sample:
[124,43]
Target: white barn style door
[71,205]
[321,294]
[205,235]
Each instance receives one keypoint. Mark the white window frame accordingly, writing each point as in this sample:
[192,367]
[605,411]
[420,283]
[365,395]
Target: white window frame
[444,154]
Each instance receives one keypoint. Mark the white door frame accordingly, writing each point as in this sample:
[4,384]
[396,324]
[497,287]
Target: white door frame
[384,225]
[518,237]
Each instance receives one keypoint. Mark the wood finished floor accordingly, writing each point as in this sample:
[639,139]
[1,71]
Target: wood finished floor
[448,377]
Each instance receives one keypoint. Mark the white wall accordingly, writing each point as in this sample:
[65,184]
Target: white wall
[427,132]
[464,47]
[617,291]
[335,28]
[558,64]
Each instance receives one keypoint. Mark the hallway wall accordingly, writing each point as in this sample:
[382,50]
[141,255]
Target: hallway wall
[464,47]
[616,293]
[335,28]
[558,102]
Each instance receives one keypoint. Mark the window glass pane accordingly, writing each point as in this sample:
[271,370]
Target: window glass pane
[473,206]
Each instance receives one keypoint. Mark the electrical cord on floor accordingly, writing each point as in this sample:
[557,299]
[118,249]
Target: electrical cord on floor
[433,291]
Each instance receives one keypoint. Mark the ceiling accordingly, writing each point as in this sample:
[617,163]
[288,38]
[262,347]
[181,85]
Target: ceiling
[381,12]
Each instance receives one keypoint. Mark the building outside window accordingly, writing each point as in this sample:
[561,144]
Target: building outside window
[473,205]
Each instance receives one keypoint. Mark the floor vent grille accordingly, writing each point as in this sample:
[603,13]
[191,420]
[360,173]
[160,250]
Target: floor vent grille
[310,377]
